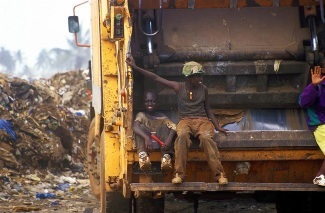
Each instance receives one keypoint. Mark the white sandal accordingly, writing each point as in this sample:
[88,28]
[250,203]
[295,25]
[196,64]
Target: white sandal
[144,161]
[166,163]
[319,180]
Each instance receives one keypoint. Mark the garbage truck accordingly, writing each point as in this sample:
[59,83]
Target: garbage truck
[257,55]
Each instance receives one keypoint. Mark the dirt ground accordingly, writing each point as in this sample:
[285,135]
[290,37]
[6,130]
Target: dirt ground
[81,200]
[235,205]
[46,192]
[64,204]
[88,204]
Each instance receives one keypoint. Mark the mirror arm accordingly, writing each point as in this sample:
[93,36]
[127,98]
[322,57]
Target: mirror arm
[75,34]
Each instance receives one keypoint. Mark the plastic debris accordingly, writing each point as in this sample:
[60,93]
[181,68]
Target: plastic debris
[6,125]
[45,195]
[63,186]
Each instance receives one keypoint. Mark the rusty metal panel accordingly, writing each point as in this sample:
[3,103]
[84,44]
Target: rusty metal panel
[219,68]
[272,171]
[247,34]
[253,33]
[183,4]
[267,148]
[275,172]
[201,186]
[294,139]
[276,154]
[281,90]
[241,154]
[253,155]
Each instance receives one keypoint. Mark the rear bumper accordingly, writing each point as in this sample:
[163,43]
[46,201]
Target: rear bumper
[232,186]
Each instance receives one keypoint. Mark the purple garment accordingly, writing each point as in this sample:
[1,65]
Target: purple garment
[313,98]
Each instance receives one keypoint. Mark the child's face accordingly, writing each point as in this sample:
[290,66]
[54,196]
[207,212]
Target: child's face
[195,80]
[150,101]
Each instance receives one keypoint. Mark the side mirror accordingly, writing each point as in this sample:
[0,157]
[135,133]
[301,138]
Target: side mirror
[73,22]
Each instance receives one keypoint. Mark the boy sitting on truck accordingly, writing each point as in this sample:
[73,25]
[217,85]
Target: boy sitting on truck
[195,119]
[313,98]
[150,124]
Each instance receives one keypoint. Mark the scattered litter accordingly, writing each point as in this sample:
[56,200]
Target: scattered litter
[45,195]
[6,125]
[43,133]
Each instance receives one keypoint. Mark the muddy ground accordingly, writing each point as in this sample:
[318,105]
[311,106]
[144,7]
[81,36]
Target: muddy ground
[82,201]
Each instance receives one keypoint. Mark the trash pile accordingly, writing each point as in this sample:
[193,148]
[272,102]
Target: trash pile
[43,124]
[43,133]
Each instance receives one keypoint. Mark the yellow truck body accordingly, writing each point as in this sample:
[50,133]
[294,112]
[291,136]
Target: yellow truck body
[257,55]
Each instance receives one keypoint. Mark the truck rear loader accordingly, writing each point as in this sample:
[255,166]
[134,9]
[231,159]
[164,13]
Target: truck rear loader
[257,55]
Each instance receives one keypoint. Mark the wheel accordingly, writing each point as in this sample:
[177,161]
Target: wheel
[116,203]
[112,201]
[265,196]
[93,148]
[290,202]
[103,197]
[149,205]
[300,202]
[317,201]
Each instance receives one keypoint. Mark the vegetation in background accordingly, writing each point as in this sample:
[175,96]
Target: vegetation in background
[48,62]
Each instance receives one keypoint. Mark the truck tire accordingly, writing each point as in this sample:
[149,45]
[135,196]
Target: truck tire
[117,203]
[307,202]
[149,205]
[317,201]
[291,202]
[92,162]
[265,196]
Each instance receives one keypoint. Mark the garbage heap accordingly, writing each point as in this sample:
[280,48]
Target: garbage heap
[44,123]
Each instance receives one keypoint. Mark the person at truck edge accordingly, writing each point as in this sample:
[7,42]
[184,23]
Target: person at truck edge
[151,122]
[195,119]
[313,98]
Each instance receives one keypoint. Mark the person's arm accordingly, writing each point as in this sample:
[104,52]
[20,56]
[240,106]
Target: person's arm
[169,140]
[146,137]
[310,93]
[210,113]
[171,84]
[308,96]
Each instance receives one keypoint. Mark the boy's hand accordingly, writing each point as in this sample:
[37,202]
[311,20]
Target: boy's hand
[148,143]
[316,77]
[130,60]
[167,145]
[224,131]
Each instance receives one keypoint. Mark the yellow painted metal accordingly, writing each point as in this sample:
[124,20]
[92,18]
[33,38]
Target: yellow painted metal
[112,160]
[127,84]
[125,102]
[109,99]
[115,77]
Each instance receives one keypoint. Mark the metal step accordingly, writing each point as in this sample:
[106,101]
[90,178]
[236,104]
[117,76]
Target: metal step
[231,186]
